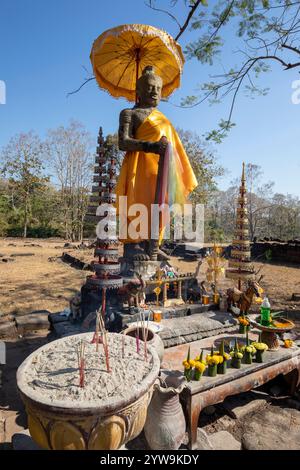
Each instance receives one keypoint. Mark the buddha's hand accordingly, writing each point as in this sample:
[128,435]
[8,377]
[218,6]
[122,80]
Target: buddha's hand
[163,143]
[161,146]
[157,147]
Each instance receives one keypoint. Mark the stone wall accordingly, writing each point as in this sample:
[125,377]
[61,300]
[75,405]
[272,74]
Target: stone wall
[288,252]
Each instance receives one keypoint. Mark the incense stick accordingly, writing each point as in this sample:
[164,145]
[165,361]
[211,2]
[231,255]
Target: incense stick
[137,338]
[123,346]
[105,342]
[81,363]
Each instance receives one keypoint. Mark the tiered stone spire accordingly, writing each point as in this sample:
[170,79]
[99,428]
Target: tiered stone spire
[106,264]
[240,266]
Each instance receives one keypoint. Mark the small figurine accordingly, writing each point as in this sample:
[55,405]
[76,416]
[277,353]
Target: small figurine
[243,300]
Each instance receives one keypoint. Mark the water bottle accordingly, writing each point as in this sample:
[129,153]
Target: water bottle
[265,312]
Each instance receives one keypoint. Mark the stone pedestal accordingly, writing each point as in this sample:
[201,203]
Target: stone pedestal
[146,269]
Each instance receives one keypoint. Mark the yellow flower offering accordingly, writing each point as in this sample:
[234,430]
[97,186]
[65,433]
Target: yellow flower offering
[288,343]
[192,363]
[200,366]
[213,360]
[243,321]
[186,364]
[236,354]
[260,346]
[221,358]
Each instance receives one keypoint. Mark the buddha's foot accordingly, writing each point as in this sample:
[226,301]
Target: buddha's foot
[155,253]
[135,252]
[162,256]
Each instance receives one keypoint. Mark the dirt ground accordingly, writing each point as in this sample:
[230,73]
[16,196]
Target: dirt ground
[12,413]
[33,282]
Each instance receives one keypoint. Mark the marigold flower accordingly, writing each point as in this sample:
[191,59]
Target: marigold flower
[213,360]
[260,346]
[243,321]
[200,366]
[288,343]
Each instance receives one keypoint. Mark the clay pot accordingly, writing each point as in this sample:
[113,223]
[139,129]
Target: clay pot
[152,340]
[165,424]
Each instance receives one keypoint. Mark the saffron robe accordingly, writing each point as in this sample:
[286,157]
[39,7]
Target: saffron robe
[138,175]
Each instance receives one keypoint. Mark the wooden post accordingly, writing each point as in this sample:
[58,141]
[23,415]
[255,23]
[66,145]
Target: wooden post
[165,295]
[179,294]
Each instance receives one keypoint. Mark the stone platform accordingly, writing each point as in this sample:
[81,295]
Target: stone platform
[181,325]
[195,327]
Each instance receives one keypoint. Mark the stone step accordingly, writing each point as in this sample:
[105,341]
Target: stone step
[8,329]
[223,440]
[196,326]
[23,441]
[31,322]
[243,404]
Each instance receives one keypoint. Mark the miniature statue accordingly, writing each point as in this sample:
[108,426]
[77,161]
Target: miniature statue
[133,292]
[75,307]
[144,133]
[243,300]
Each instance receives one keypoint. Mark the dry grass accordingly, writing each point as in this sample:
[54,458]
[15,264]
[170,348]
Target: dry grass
[34,283]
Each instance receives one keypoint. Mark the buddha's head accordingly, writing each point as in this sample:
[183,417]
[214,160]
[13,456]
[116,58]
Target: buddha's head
[148,88]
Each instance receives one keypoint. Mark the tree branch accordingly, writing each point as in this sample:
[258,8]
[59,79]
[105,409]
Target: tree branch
[149,5]
[188,19]
[82,85]
[291,48]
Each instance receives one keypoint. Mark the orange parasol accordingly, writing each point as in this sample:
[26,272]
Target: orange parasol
[120,54]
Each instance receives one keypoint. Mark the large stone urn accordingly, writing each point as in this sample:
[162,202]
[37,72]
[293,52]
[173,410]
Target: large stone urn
[79,422]
[165,424]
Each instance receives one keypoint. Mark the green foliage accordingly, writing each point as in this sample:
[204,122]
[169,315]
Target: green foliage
[22,165]
[204,49]
[217,135]
[257,33]
[204,163]
[268,255]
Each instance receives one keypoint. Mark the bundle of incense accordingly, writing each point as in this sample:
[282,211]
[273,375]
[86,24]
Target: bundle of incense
[104,342]
[81,362]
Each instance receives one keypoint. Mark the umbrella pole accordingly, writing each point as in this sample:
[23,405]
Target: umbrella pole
[159,182]
[137,71]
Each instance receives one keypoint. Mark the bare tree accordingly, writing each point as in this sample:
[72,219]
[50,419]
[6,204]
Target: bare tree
[70,157]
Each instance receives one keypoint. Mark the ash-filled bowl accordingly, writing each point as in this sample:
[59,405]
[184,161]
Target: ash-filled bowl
[107,412]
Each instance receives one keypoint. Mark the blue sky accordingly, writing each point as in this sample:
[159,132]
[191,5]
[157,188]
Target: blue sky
[43,46]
